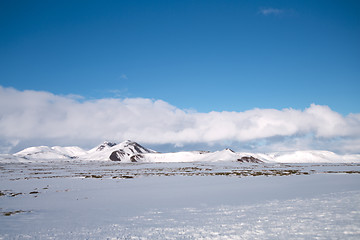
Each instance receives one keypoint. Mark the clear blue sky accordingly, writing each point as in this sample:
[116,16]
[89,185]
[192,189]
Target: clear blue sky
[202,55]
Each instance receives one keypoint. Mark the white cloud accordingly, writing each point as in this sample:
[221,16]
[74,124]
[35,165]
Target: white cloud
[29,117]
[270,11]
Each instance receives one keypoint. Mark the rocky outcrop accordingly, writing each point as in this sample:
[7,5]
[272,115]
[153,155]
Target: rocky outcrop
[249,159]
[117,155]
[105,145]
[136,158]
[128,151]
[229,149]
[136,148]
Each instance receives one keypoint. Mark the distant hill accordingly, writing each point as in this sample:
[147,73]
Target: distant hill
[129,151]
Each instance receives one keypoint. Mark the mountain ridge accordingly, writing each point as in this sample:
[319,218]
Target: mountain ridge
[129,152]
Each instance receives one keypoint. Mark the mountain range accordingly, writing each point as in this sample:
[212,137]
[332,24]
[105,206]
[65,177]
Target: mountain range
[129,151]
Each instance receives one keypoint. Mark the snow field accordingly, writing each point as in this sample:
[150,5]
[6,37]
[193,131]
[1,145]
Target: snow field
[321,205]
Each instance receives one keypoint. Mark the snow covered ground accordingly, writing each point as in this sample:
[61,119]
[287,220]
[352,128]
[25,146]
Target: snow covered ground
[199,200]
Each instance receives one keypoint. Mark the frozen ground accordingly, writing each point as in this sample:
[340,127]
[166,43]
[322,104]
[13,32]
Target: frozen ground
[225,200]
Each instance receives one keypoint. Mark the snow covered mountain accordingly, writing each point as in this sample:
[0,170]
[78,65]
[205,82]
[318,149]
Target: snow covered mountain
[129,151]
[44,152]
[312,156]
[123,152]
[197,156]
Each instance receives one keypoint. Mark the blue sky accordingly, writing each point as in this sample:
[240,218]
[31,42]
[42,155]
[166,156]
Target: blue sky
[202,55]
[251,75]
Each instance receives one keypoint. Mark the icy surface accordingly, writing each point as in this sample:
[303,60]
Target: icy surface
[205,200]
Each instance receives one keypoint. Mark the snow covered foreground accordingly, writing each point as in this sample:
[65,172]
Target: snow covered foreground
[71,193]
[204,200]
[129,151]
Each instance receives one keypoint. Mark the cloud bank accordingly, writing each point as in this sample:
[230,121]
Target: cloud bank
[32,118]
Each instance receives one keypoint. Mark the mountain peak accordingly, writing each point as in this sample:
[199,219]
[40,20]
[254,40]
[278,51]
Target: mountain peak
[128,142]
[104,145]
[230,150]
[129,151]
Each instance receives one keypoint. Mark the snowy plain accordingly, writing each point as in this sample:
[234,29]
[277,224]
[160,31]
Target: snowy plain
[193,200]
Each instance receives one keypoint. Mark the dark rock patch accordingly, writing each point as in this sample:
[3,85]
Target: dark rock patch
[117,155]
[249,159]
[126,177]
[203,152]
[13,212]
[102,146]
[228,149]
[138,148]
[136,158]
